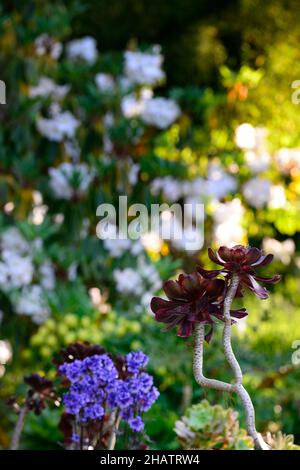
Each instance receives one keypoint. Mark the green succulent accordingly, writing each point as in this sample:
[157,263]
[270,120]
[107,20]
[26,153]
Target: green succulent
[211,427]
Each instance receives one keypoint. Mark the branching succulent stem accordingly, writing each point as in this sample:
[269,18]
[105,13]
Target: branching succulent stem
[237,386]
[15,442]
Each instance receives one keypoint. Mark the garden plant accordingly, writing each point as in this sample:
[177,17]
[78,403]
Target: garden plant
[106,102]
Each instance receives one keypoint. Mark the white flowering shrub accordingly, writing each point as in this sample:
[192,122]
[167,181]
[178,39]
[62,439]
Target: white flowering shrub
[83,126]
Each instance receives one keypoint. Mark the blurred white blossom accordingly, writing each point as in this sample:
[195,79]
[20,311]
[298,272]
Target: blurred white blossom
[257,162]
[19,270]
[277,197]
[117,247]
[133,105]
[47,87]
[288,159]
[228,218]
[61,125]
[5,351]
[257,192]
[219,183]
[13,240]
[105,82]
[128,281]
[70,179]
[282,251]
[32,303]
[45,44]
[144,68]
[84,48]
[47,275]
[160,112]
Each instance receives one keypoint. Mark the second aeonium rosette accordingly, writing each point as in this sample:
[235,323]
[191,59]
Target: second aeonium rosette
[199,297]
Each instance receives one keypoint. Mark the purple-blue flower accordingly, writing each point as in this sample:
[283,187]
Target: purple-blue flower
[136,424]
[98,388]
[136,361]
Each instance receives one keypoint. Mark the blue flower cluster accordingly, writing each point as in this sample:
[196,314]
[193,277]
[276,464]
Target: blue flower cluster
[98,387]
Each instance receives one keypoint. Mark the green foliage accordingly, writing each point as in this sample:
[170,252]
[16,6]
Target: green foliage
[222,73]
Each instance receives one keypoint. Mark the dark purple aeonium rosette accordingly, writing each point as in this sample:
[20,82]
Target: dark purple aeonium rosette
[242,261]
[192,299]
[40,391]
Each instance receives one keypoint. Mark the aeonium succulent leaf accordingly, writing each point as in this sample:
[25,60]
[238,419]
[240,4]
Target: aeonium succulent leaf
[41,391]
[191,299]
[242,261]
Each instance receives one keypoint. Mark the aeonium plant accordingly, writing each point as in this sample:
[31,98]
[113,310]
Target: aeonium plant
[195,300]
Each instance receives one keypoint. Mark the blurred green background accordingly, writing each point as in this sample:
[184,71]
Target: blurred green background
[226,63]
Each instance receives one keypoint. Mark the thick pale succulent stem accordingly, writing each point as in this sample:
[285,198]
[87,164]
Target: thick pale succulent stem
[228,351]
[232,361]
[15,442]
[250,418]
[198,364]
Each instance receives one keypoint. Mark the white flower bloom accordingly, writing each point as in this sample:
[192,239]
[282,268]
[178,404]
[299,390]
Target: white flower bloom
[228,218]
[146,300]
[70,179]
[59,126]
[19,269]
[144,68]
[72,148]
[133,105]
[128,281]
[219,183]
[47,87]
[105,82]
[257,192]
[72,272]
[47,276]
[32,303]
[288,159]
[5,351]
[257,162]
[160,112]
[282,251]
[248,137]
[3,275]
[151,241]
[13,240]
[44,44]
[85,49]
[38,214]
[133,174]
[245,136]
[277,197]
[117,247]
[171,188]
[149,275]
[196,188]
[190,239]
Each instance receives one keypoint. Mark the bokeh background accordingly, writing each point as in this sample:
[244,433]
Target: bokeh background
[78,129]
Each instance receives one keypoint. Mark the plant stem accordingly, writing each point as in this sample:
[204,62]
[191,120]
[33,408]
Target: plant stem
[15,442]
[199,337]
[229,354]
[198,363]
[113,435]
[233,362]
